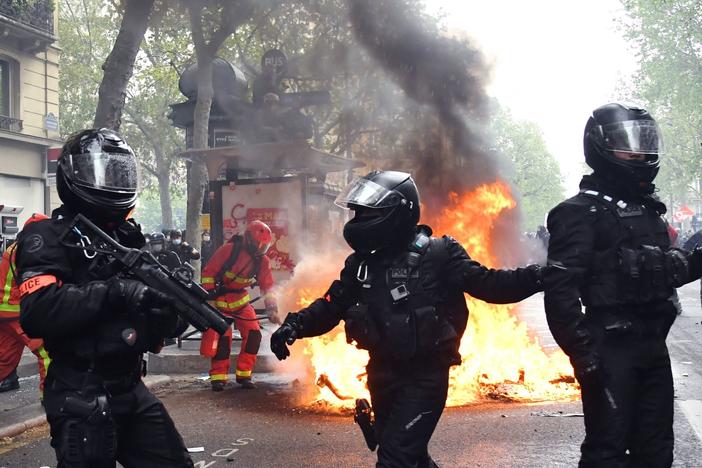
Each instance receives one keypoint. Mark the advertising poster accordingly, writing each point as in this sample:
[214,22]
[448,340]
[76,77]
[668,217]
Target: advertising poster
[277,203]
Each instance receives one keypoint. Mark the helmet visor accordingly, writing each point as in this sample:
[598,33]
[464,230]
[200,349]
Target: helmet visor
[364,192]
[112,171]
[632,136]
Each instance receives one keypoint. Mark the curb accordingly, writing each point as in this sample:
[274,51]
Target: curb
[16,429]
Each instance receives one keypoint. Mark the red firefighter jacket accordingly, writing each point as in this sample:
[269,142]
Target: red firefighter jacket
[236,279]
[9,292]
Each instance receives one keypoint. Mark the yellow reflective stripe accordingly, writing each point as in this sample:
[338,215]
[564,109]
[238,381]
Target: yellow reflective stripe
[234,305]
[237,279]
[207,280]
[9,307]
[243,373]
[6,290]
[216,377]
[46,360]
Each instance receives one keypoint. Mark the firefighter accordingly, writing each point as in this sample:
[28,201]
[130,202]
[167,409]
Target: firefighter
[12,337]
[185,251]
[233,267]
[401,296]
[611,252]
[95,324]
[165,257]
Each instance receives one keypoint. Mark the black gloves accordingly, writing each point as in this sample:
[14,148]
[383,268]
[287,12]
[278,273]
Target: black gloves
[135,297]
[289,331]
[589,371]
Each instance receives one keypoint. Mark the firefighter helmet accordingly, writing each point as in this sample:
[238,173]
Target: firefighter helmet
[257,238]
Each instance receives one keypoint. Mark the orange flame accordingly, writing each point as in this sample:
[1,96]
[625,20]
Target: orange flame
[498,354]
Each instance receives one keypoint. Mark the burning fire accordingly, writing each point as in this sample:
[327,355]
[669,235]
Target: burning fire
[499,356]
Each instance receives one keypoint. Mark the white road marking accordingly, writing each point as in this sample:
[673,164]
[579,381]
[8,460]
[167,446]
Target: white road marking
[692,409]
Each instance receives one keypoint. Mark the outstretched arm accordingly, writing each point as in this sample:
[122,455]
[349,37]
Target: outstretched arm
[489,284]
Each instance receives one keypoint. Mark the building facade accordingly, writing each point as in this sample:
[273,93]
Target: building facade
[29,108]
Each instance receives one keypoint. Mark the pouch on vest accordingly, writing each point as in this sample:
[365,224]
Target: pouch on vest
[432,329]
[361,328]
[401,327]
[643,274]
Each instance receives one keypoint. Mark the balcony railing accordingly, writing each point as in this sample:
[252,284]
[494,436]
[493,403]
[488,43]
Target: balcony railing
[11,124]
[36,13]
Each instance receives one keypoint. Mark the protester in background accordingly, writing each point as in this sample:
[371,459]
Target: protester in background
[207,247]
[234,267]
[610,250]
[185,252]
[12,337]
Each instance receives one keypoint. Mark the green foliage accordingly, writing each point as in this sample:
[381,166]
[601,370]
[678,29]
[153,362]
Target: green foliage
[369,117]
[87,29]
[535,172]
[669,37]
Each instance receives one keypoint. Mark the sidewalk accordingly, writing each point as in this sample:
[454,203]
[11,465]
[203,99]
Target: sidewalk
[21,409]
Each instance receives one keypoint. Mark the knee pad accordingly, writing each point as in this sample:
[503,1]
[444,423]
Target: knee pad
[224,348]
[253,342]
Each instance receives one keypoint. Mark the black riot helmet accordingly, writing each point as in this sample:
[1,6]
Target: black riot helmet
[386,206]
[97,175]
[623,129]
[158,242]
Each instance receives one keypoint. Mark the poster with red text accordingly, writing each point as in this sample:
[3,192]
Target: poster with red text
[278,203]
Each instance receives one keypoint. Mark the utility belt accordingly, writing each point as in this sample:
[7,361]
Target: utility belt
[79,375]
[631,321]
[634,276]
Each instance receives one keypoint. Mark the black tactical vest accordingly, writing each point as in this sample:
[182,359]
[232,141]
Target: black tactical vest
[119,338]
[633,263]
[403,312]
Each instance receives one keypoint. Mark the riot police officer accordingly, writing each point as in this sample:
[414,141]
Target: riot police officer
[96,325]
[165,257]
[400,295]
[182,249]
[610,249]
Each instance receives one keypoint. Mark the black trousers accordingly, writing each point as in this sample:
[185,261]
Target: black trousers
[407,404]
[138,433]
[637,416]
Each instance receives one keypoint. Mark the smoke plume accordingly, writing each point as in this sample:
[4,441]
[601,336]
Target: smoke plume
[447,77]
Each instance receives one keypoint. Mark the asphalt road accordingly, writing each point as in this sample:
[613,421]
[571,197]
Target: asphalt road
[267,427]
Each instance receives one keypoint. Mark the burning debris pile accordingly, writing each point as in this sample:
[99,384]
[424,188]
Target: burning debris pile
[462,196]
[500,359]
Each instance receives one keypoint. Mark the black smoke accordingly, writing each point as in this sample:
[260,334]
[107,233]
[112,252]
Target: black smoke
[446,77]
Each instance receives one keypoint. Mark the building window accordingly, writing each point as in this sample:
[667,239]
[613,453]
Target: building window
[9,95]
[5,88]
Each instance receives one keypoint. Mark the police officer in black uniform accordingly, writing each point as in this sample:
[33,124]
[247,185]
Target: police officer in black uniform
[401,296]
[182,249]
[96,326]
[610,249]
[165,257]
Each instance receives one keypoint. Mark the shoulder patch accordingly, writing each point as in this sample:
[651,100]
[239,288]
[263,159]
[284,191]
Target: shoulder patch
[34,243]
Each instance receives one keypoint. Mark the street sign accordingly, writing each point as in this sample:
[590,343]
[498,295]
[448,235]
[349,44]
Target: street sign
[51,123]
[275,62]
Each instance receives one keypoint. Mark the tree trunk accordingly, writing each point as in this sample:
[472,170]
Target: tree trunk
[120,64]
[164,191]
[197,177]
